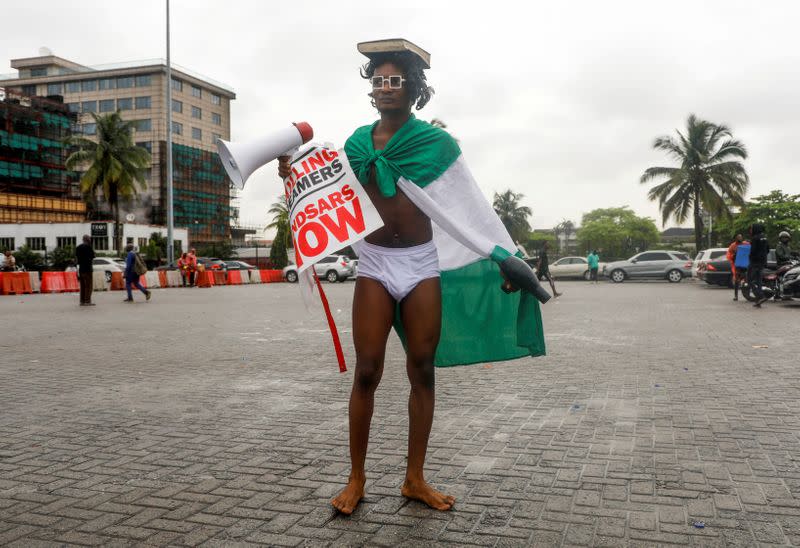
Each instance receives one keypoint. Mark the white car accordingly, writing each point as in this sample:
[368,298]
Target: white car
[708,255]
[335,268]
[572,267]
[108,265]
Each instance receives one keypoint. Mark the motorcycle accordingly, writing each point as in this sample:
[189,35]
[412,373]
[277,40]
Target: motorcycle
[773,284]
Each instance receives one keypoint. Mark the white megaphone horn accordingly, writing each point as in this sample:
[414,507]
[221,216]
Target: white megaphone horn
[242,159]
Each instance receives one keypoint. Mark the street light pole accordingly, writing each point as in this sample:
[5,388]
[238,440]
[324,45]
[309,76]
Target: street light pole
[170,220]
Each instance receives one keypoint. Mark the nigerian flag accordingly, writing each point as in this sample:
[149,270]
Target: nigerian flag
[480,323]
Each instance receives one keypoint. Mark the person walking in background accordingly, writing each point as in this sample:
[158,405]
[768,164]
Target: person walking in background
[594,264]
[191,257]
[739,257]
[133,272]
[759,249]
[9,262]
[183,267]
[84,254]
[543,269]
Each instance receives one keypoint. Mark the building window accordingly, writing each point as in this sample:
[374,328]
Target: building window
[41,71]
[196,91]
[125,103]
[89,129]
[107,105]
[88,85]
[197,133]
[36,244]
[215,99]
[177,128]
[177,85]
[142,102]
[147,145]
[197,113]
[142,125]
[216,119]
[6,244]
[89,106]
[100,243]
[53,89]
[29,89]
[125,82]
[177,106]
[73,87]
[215,137]
[129,240]
[108,83]
[66,241]
[143,80]
[74,107]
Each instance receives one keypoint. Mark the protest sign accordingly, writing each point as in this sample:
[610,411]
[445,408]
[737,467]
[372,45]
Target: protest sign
[328,208]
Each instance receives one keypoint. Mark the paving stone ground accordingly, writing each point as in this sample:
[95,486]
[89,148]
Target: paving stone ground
[217,417]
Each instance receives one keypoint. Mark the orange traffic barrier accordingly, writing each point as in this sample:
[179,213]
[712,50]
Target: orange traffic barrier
[234,277]
[162,278]
[219,277]
[15,282]
[52,282]
[71,282]
[271,276]
[143,280]
[204,278]
[117,283]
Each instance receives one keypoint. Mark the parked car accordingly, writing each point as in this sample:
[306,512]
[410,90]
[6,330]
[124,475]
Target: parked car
[572,267]
[655,264]
[107,265]
[718,271]
[335,268]
[211,263]
[707,255]
[238,265]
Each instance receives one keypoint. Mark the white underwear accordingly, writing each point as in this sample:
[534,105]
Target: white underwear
[398,269]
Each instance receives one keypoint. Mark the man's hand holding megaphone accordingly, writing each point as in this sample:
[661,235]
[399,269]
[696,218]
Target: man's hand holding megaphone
[284,167]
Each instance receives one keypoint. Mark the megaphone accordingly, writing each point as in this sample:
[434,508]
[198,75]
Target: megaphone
[242,159]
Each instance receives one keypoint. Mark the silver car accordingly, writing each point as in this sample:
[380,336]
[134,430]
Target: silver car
[656,264]
[335,268]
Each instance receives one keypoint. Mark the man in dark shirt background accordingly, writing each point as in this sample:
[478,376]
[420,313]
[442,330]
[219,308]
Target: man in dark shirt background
[85,254]
[759,248]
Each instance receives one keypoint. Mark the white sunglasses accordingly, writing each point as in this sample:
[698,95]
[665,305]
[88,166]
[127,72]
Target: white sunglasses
[395,81]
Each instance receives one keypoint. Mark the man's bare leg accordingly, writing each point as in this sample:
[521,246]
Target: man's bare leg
[421,312]
[373,311]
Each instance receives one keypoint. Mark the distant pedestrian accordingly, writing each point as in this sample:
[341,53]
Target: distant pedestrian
[192,258]
[84,254]
[133,270]
[9,262]
[739,257]
[594,264]
[543,269]
[759,249]
[183,267]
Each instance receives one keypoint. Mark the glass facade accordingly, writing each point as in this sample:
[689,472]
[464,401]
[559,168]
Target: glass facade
[90,129]
[177,128]
[142,125]
[125,103]
[197,133]
[54,89]
[216,118]
[215,99]
[177,85]
[73,87]
[142,102]
[143,80]
[107,105]
[197,113]
[177,106]
[88,85]
[108,83]
[89,106]
[125,82]
[196,91]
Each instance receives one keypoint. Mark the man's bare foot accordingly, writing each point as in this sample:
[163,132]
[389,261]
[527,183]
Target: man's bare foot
[351,495]
[424,493]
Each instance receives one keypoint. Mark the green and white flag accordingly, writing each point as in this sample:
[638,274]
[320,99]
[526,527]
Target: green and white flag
[480,323]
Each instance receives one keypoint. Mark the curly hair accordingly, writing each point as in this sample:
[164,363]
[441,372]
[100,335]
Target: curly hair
[416,84]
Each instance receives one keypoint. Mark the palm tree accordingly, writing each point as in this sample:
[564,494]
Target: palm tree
[513,215]
[280,220]
[565,227]
[116,164]
[710,175]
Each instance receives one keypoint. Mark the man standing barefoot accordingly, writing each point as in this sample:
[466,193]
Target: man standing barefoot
[399,159]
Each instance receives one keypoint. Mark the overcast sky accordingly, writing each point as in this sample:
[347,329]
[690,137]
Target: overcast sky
[558,101]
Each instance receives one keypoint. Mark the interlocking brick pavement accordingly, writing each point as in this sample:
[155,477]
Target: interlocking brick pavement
[217,417]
